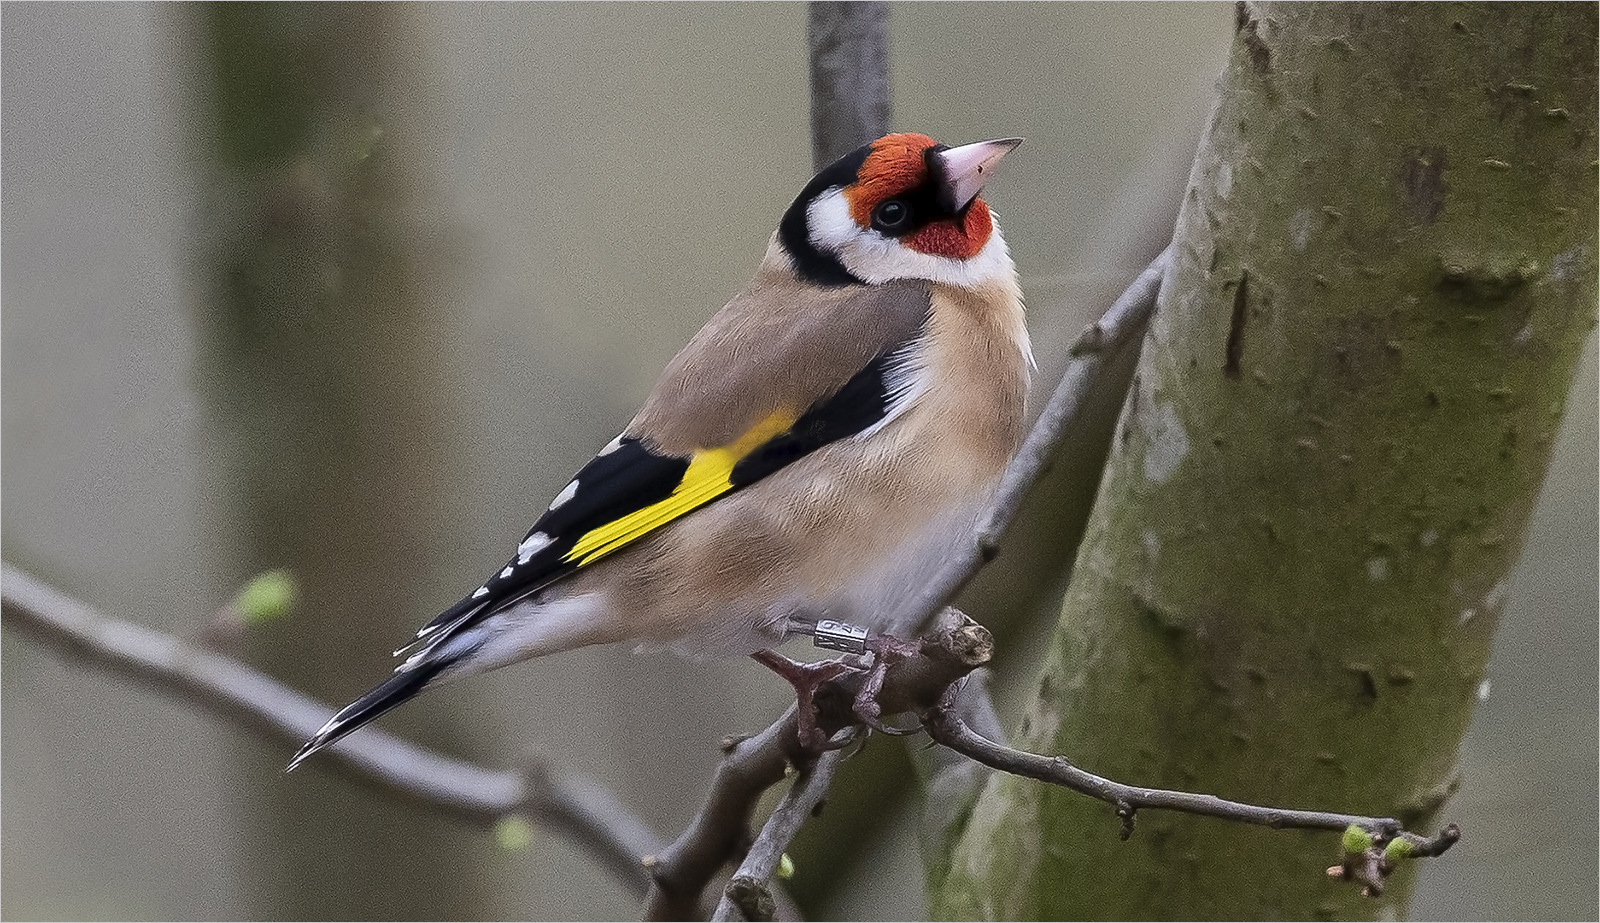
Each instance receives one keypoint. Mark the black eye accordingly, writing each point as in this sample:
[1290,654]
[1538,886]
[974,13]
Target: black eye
[891,217]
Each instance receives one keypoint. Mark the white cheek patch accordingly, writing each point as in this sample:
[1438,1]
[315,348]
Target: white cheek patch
[875,258]
[829,221]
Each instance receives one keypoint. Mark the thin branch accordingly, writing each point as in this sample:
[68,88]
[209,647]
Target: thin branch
[945,727]
[849,68]
[1369,859]
[581,808]
[849,76]
[722,826]
[746,897]
[721,829]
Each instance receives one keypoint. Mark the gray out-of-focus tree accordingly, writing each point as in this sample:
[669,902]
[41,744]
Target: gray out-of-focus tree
[1385,272]
[320,376]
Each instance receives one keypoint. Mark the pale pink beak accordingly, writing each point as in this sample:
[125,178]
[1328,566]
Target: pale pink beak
[965,169]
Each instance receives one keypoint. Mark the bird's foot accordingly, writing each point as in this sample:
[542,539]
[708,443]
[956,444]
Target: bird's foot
[807,678]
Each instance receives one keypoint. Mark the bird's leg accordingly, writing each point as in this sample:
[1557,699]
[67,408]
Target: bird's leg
[806,678]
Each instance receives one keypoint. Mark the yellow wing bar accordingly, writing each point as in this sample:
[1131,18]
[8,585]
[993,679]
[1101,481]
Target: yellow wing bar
[706,479]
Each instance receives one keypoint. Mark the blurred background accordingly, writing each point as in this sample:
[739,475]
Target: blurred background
[354,290]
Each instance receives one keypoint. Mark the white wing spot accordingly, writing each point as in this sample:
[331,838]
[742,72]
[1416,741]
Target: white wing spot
[480,592]
[567,493]
[611,446]
[530,546]
[505,573]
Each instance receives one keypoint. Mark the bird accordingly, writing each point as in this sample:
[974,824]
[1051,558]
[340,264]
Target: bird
[812,455]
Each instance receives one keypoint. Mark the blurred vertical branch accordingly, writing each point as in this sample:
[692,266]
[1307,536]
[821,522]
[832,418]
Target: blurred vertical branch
[849,45]
[318,374]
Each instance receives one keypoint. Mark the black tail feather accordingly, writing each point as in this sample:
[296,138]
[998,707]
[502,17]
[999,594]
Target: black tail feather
[389,694]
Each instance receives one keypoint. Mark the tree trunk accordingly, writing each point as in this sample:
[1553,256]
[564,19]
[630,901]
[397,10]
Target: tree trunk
[322,375]
[1323,475]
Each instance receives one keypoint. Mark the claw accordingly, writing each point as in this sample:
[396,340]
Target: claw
[807,678]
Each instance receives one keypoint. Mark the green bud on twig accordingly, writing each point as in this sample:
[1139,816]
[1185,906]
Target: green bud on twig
[1356,840]
[513,833]
[269,596]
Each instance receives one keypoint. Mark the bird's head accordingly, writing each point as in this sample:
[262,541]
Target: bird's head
[902,207]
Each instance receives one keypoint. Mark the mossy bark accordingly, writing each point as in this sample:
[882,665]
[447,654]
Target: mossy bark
[1386,270]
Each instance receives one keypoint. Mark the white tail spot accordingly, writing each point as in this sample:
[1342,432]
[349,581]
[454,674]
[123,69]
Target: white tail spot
[530,546]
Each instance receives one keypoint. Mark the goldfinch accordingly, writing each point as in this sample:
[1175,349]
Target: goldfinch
[813,453]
